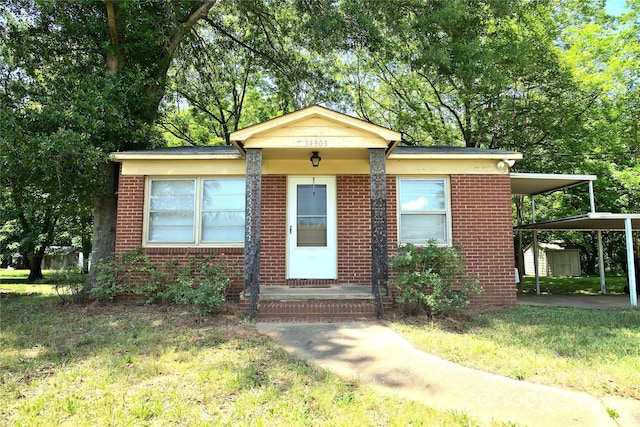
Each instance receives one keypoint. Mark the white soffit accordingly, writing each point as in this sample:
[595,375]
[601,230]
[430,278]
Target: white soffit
[531,184]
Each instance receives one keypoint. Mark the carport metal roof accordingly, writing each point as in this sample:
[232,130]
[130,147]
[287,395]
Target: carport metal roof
[593,221]
[532,184]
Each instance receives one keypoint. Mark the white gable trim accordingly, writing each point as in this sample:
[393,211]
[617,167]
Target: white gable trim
[238,138]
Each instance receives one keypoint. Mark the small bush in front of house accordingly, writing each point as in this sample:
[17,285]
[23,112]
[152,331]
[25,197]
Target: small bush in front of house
[432,280]
[131,273]
[68,283]
[207,292]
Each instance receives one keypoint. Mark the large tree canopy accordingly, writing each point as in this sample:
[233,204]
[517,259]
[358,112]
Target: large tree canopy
[553,79]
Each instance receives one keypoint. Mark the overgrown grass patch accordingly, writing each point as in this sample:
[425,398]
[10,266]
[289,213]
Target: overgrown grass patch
[591,350]
[574,285]
[153,365]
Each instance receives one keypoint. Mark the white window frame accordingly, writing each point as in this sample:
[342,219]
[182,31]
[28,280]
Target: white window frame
[198,211]
[446,212]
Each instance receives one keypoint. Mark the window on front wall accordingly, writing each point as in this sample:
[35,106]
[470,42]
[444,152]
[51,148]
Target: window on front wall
[172,204]
[423,210]
[196,211]
[222,210]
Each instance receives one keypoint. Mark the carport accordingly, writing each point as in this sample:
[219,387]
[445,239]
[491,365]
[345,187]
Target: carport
[531,184]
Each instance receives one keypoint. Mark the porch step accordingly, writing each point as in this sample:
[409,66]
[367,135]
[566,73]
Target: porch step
[347,303]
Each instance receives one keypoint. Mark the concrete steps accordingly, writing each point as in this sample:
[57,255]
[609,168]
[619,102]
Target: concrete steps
[335,303]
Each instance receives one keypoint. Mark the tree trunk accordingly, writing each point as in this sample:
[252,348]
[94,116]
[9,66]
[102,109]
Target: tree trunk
[104,226]
[35,264]
[35,268]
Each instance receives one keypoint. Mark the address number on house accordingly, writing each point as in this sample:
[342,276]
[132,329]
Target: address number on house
[313,143]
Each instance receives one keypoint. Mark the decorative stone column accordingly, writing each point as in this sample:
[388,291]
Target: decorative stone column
[379,261]
[252,227]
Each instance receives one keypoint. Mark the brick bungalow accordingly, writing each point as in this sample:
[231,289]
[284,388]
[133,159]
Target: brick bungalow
[318,199]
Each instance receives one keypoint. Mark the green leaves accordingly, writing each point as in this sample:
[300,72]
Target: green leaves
[432,279]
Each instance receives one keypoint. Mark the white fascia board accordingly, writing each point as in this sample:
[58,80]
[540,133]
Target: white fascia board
[456,156]
[119,157]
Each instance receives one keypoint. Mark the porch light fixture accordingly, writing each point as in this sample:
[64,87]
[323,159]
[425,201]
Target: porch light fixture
[315,159]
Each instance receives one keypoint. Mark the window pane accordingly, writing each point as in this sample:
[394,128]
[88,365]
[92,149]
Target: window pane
[312,200]
[223,194]
[422,195]
[223,210]
[171,210]
[171,227]
[223,234]
[312,231]
[172,195]
[420,228]
[223,226]
[312,215]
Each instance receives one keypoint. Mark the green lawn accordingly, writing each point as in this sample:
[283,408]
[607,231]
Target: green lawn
[15,281]
[591,350]
[573,285]
[157,365]
[116,364]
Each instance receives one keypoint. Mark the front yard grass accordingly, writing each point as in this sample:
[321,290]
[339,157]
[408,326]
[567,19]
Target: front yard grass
[122,364]
[574,285]
[592,350]
[155,365]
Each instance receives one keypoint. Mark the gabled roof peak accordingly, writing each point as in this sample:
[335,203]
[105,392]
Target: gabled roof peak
[239,137]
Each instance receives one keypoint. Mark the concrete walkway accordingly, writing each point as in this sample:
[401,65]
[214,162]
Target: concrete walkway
[374,354]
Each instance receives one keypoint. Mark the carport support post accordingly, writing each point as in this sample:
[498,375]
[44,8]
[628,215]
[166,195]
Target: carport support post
[535,246]
[603,285]
[631,267]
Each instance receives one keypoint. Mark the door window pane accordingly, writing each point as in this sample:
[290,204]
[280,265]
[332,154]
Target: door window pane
[311,215]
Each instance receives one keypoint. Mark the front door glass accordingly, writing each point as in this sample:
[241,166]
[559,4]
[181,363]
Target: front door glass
[311,215]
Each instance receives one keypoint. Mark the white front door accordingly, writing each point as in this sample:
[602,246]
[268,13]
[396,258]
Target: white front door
[311,215]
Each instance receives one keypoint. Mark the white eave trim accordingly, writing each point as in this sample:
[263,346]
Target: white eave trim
[456,156]
[118,157]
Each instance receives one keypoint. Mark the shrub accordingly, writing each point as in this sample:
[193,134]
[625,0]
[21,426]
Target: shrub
[208,293]
[130,273]
[432,280]
[133,273]
[68,283]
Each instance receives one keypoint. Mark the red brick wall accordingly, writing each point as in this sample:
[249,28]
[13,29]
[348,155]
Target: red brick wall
[130,212]
[273,232]
[129,234]
[481,216]
[354,229]
[482,225]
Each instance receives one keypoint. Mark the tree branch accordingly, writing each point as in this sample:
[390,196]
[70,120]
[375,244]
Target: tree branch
[199,13]
[115,58]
